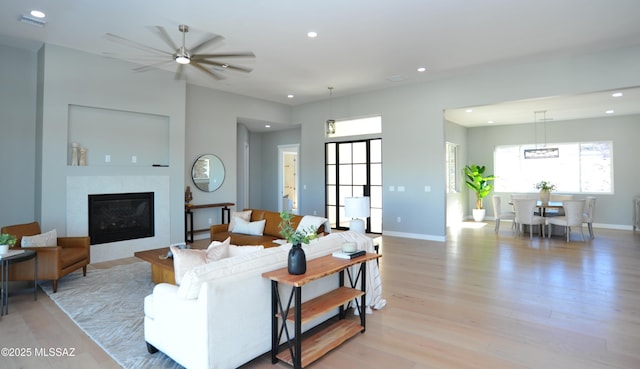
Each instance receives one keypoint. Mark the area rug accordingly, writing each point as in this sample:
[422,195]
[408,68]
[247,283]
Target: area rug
[108,305]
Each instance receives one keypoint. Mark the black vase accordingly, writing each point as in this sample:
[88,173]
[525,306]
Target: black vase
[297,260]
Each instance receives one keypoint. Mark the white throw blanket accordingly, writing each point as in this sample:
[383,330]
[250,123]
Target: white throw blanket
[312,221]
[373,299]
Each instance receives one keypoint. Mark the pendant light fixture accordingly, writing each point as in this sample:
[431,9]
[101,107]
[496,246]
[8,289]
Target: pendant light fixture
[331,123]
[544,152]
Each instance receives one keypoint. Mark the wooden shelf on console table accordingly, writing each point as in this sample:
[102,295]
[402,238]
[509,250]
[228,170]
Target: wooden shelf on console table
[188,217]
[306,350]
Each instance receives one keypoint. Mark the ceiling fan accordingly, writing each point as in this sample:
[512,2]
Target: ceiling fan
[182,56]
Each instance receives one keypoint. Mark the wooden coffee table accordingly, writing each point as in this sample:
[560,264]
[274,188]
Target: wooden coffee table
[161,269]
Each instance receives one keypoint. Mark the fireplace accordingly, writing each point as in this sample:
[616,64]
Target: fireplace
[120,216]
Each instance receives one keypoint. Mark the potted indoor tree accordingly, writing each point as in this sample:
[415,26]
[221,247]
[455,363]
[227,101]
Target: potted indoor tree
[480,184]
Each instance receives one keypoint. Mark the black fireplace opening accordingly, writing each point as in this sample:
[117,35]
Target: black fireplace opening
[120,217]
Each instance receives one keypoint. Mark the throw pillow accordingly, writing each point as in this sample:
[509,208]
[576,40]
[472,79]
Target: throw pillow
[44,239]
[218,250]
[310,221]
[251,228]
[190,286]
[243,250]
[185,260]
[244,215]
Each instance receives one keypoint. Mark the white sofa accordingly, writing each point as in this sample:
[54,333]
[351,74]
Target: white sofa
[229,323]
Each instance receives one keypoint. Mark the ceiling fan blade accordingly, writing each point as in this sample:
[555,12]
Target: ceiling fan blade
[179,72]
[240,54]
[145,68]
[237,68]
[139,58]
[164,35]
[137,45]
[207,71]
[209,41]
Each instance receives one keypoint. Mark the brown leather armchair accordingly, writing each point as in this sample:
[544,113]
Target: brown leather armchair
[54,262]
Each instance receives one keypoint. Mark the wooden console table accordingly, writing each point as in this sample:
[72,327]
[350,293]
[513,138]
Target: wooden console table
[301,352]
[188,217]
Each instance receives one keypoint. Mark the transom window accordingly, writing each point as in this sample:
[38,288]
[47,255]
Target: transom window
[578,167]
[354,127]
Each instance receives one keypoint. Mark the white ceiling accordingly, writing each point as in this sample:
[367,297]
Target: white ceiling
[550,109]
[362,45]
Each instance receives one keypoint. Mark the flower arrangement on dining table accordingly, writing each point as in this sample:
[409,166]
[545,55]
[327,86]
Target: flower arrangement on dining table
[545,190]
[545,186]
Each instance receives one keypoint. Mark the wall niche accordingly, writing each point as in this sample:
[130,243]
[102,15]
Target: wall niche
[112,137]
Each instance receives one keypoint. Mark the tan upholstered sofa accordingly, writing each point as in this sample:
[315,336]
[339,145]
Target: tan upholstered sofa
[220,232]
[54,262]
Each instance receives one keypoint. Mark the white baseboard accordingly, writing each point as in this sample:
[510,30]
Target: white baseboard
[416,236]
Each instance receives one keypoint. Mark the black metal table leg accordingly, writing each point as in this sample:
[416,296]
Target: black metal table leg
[274,321]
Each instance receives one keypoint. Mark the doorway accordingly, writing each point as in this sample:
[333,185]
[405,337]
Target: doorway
[354,169]
[288,178]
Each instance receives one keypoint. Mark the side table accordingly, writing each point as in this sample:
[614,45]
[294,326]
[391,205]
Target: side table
[12,257]
[188,217]
[301,352]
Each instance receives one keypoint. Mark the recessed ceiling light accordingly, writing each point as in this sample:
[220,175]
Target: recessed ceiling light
[267,126]
[312,34]
[469,110]
[290,96]
[610,111]
[490,122]
[422,69]
[37,14]
[617,94]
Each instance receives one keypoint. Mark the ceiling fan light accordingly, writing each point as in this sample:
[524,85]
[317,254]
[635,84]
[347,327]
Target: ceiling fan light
[181,59]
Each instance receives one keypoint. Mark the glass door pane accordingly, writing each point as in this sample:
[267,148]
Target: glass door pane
[354,169]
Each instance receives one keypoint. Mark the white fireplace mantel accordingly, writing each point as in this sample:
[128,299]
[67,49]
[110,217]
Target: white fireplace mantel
[80,187]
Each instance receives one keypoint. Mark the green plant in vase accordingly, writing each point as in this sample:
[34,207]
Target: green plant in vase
[297,262]
[6,241]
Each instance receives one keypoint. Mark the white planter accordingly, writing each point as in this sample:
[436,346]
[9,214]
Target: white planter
[4,249]
[478,214]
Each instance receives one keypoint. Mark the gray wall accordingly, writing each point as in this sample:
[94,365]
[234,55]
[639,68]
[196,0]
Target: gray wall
[457,207]
[70,77]
[212,127]
[267,170]
[412,115]
[17,135]
[413,125]
[613,210]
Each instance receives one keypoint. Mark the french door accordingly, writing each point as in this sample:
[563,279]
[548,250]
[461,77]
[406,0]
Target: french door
[353,169]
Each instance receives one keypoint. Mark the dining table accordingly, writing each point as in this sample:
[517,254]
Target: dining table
[554,205]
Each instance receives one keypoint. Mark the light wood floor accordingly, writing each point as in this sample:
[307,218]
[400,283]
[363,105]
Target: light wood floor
[480,300]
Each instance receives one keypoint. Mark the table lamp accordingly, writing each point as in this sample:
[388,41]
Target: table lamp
[355,208]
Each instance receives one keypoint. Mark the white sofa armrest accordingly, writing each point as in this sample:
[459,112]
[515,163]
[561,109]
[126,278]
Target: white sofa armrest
[178,327]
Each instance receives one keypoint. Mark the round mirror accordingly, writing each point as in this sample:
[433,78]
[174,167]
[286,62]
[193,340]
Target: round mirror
[208,173]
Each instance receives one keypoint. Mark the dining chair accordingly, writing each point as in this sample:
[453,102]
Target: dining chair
[524,214]
[499,214]
[587,214]
[573,217]
[557,198]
